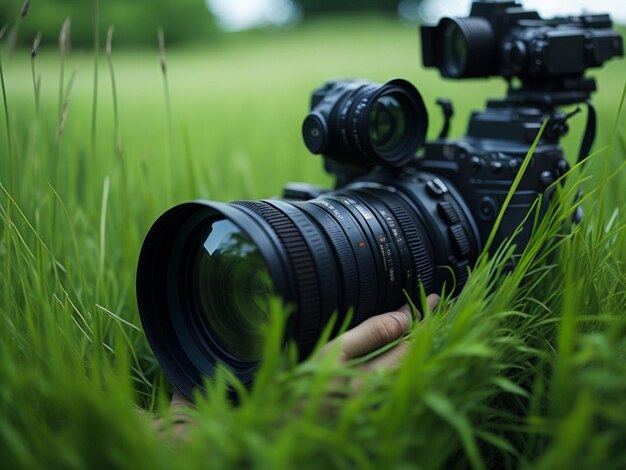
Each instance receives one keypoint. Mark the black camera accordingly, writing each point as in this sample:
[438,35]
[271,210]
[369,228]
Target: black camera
[501,38]
[397,221]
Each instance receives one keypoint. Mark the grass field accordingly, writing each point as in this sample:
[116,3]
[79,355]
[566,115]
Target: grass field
[523,369]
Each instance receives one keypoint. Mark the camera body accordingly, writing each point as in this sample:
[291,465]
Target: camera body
[501,38]
[483,164]
[543,61]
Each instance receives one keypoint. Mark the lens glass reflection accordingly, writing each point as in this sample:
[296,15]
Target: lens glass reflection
[387,124]
[231,290]
[455,55]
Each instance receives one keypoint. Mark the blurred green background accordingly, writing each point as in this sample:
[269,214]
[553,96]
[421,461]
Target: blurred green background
[185,21]
[238,98]
[136,21]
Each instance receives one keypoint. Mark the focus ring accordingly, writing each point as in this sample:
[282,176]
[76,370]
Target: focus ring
[349,284]
[423,266]
[326,267]
[308,293]
[361,238]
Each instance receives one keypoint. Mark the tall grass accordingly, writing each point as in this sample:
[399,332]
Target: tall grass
[525,368]
[168,110]
[96,59]
[116,114]
[36,78]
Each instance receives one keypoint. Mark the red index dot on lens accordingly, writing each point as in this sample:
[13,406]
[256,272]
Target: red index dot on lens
[361,244]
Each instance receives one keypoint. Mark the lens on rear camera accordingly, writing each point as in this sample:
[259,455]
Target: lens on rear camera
[455,47]
[363,124]
[387,124]
[466,47]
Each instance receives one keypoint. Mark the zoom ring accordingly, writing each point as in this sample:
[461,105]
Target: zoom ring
[339,242]
[308,292]
[423,267]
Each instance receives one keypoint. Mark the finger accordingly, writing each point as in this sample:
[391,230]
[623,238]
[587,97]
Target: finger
[388,360]
[393,357]
[432,300]
[179,400]
[373,333]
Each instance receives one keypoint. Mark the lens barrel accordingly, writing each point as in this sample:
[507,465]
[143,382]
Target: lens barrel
[207,269]
[466,47]
[361,123]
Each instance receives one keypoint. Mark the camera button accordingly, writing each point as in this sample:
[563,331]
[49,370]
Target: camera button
[487,209]
[514,165]
[546,178]
[562,167]
[459,240]
[476,163]
[495,167]
[436,187]
[315,133]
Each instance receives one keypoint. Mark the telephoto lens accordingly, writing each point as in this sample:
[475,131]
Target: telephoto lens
[207,270]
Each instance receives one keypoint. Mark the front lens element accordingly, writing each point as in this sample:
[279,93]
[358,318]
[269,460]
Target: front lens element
[466,47]
[455,55]
[230,290]
[387,124]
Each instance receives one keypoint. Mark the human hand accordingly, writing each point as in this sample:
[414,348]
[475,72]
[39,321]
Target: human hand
[375,333]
